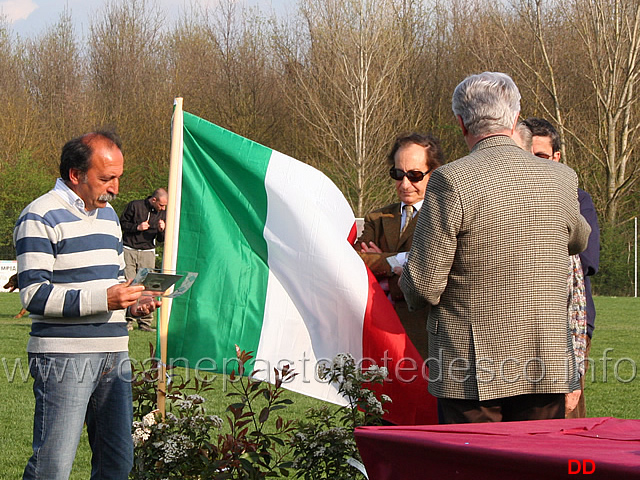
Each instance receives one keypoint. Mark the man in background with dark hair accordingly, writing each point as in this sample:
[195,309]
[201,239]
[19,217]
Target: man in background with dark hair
[388,232]
[71,278]
[545,143]
[143,224]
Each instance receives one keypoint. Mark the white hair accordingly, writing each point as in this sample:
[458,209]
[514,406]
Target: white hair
[488,102]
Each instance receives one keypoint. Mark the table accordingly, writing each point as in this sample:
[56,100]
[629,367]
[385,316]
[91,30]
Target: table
[603,448]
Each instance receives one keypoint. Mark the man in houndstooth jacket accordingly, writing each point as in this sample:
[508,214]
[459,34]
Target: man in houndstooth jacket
[489,255]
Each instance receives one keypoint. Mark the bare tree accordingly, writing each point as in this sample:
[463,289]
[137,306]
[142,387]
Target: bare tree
[527,30]
[223,67]
[21,174]
[129,71]
[54,70]
[344,71]
[578,65]
[17,121]
[610,32]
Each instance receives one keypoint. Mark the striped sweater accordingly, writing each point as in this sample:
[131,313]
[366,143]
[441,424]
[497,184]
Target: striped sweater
[66,263]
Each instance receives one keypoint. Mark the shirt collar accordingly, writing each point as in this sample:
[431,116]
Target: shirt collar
[71,197]
[416,206]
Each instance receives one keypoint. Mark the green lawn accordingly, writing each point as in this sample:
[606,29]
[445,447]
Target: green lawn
[612,387]
[16,397]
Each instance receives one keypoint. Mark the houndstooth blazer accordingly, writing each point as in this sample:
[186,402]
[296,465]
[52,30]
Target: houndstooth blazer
[490,254]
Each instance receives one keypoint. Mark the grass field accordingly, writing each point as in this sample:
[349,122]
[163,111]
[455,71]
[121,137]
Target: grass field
[612,389]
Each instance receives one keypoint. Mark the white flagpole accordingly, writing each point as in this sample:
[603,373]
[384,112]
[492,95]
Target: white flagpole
[169,260]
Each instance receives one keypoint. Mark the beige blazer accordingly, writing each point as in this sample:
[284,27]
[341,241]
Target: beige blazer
[490,254]
[382,227]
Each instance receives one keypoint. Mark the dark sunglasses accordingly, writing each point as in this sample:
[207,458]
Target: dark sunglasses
[414,176]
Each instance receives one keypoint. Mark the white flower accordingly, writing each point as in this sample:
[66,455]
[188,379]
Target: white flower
[149,419]
[140,435]
[175,448]
[322,370]
[184,404]
[341,360]
[171,417]
[386,398]
[216,421]
[196,399]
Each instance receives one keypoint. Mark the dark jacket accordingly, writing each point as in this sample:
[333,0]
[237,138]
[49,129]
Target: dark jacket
[590,258]
[134,214]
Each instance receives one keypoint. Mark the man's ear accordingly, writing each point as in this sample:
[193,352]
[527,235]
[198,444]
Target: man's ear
[513,128]
[461,123]
[75,176]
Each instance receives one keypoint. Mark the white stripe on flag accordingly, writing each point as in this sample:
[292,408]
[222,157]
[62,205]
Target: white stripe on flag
[318,285]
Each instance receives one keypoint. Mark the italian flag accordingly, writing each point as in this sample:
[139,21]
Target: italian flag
[271,240]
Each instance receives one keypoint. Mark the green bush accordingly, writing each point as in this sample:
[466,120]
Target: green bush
[615,276]
[22,181]
[189,443]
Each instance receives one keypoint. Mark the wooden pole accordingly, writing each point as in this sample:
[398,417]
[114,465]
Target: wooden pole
[169,257]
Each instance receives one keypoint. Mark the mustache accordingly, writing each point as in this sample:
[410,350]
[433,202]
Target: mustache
[107,197]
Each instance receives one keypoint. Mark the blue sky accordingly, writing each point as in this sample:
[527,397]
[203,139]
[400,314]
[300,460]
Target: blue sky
[31,17]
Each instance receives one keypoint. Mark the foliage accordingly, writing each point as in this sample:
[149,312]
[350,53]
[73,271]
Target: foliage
[364,407]
[22,182]
[178,445]
[324,445]
[617,332]
[189,444]
[615,275]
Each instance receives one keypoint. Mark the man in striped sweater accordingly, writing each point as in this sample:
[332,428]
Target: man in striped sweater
[71,278]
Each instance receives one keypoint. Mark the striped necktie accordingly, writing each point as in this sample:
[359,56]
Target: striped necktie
[408,215]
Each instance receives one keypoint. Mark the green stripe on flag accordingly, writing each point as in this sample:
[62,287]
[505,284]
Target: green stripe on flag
[223,210]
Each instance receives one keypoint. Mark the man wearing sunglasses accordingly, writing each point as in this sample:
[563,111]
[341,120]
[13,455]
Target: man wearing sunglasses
[545,143]
[388,232]
[489,255]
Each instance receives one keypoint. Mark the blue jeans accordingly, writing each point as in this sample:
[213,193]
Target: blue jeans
[71,389]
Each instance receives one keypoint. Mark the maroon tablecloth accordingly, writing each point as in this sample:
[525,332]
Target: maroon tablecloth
[542,449]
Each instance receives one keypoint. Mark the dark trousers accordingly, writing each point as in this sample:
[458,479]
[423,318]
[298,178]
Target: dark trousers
[135,260]
[540,406]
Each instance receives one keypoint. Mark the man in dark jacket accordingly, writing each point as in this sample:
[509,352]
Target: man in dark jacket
[143,224]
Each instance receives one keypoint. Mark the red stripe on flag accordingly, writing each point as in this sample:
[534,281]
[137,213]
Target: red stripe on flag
[353,234]
[384,340]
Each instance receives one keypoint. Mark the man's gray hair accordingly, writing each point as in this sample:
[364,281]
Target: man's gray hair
[488,102]
[525,136]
